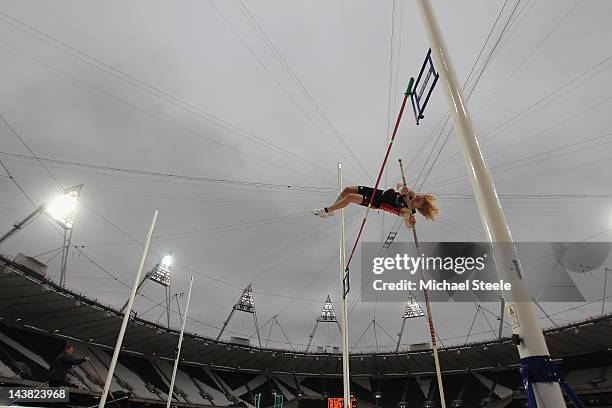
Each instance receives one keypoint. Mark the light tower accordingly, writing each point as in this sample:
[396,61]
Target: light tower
[161,274]
[411,311]
[65,208]
[328,315]
[245,304]
[62,210]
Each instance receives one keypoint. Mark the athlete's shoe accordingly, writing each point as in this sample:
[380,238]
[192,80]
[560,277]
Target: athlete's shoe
[322,212]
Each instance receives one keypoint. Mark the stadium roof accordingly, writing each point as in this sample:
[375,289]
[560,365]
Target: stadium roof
[31,301]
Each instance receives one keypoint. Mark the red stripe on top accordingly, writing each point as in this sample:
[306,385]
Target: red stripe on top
[389,208]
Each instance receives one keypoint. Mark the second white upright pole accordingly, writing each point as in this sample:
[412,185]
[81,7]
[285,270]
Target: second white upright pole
[180,342]
[521,309]
[126,316]
[344,308]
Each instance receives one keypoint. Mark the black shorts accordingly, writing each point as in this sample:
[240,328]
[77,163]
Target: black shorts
[389,197]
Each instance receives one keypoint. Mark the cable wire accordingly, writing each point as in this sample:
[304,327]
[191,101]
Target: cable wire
[152,89]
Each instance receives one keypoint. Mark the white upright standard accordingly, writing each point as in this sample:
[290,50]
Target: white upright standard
[180,343]
[344,309]
[523,316]
[126,316]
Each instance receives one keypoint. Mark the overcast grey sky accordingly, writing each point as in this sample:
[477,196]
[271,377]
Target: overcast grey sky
[193,88]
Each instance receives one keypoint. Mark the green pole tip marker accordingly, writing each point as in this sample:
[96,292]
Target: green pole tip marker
[410,85]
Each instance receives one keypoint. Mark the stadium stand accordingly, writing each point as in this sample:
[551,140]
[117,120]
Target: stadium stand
[219,375]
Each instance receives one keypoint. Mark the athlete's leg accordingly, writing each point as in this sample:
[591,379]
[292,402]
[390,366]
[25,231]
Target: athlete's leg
[346,191]
[346,200]
[349,194]
[342,202]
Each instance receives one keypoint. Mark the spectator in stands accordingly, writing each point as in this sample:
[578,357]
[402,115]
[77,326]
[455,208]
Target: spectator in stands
[60,366]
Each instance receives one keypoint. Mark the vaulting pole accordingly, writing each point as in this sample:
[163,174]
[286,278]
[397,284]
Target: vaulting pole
[382,169]
[126,316]
[432,331]
[180,342]
[344,307]
[532,346]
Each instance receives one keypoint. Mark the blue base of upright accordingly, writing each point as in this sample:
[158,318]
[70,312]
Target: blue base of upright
[541,369]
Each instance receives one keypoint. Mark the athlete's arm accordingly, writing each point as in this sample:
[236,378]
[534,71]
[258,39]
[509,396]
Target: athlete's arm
[404,190]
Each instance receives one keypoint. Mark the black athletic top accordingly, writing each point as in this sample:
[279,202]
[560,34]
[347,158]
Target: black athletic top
[389,200]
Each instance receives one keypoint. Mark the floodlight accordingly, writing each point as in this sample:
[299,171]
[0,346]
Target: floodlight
[327,314]
[161,271]
[246,303]
[412,309]
[167,260]
[63,208]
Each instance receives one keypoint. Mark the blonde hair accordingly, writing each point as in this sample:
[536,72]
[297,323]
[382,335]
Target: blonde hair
[428,210]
